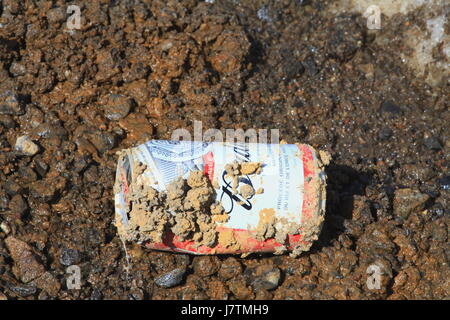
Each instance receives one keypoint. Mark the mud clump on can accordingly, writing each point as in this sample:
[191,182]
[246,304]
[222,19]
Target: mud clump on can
[187,209]
[213,198]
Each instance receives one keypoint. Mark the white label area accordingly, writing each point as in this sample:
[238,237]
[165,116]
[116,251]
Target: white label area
[281,177]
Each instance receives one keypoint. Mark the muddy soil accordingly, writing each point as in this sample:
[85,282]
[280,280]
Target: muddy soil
[140,69]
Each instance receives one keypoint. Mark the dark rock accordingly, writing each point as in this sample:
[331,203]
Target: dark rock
[310,66]
[170,279]
[69,257]
[445,182]
[292,69]
[385,133]
[4,144]
[23,290]
[96,295]
[103,141]
[50,130]
[353,228]
[433,143]
[10,103]
[390,107]
[136,294]
[263,277]
[40,166]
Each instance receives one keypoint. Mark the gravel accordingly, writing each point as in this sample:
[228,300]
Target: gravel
[140,71]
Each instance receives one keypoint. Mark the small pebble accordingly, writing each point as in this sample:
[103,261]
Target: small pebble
[50,130]
[269,280]
[310,66]
[445,182]
[18,205]
[93,237]
[263,277]
[69,257]
[17,69]
[23,290]
[136,294]
[117,106]
[263,14]
[385,133]
[25,146]
[433,143]
[170,279]
[206,265]
[5,227]
[56,15]
[96,295]
[390,107]
[12,187]
[103,141]
[406,201]
[4,200]
[230,268]
[10,104]
[7,121]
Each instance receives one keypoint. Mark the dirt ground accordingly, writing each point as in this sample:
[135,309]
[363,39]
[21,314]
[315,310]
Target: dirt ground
[140,69]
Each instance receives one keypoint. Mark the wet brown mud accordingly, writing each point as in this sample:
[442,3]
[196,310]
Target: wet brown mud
[140,69]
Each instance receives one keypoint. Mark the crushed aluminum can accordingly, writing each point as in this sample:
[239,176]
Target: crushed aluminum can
[292,177]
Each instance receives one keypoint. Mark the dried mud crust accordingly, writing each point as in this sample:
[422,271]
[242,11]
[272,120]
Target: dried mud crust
[235,170]
[139,69]
[187,208]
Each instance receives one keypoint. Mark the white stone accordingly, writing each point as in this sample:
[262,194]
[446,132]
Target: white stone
[26,146]
[5,228]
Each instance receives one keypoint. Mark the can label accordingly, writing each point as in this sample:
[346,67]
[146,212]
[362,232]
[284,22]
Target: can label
[290,190]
